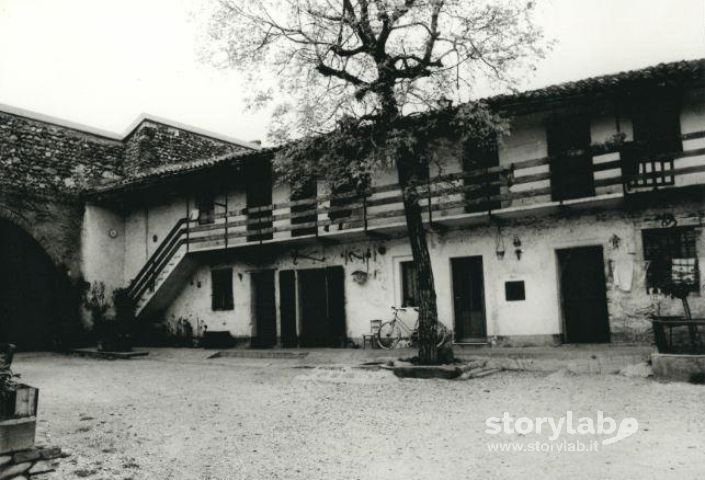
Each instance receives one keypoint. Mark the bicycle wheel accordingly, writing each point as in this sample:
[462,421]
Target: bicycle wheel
[388,335]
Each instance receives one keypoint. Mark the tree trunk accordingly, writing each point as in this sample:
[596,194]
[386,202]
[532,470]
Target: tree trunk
[412,167]
[428,311]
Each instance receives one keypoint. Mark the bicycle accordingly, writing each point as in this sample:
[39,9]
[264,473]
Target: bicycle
[390,333]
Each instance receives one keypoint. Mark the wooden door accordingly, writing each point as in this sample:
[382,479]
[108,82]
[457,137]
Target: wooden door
[313,304]
[335,283]
[265,334]
[322,307]
[583,295]
[469,299]
[287,308]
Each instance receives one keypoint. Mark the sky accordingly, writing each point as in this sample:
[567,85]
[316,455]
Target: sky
[104,62]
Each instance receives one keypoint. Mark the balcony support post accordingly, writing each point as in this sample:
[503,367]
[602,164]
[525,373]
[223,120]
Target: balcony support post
[430,210]
[226,220]
[188,223]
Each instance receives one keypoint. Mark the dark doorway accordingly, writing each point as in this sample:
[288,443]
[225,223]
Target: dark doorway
[259,200]
[482,187]
[571,158]
[287,307]
[304,214]
[322,307]
[264,309]
[469,299]
[583,295]
[33,294]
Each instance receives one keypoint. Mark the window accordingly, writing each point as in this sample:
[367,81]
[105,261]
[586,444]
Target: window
[570,158]
[657,132]
[222,289]
[672,258]
[206,209]
[409,285]
[514,291]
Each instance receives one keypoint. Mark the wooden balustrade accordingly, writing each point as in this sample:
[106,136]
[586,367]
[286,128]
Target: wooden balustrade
[475,192]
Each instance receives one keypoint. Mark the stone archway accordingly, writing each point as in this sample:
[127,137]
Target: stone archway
[28,225]
[37,306]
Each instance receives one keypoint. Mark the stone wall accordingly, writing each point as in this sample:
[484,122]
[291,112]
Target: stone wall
[153,144]
[42,157]
[36,463]
[53,221]
[46,163]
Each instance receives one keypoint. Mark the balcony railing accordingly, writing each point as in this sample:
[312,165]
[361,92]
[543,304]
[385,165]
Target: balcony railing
[457,196]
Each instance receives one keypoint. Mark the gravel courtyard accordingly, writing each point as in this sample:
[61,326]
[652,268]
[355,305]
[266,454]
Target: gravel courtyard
[177,415]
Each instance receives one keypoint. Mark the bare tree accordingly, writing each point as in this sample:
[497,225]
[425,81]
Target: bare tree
[350,74]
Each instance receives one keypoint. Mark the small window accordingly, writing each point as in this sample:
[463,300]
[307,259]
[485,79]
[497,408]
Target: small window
[514,291]
[409,285]
[206,210]
[222,289]
[671,258]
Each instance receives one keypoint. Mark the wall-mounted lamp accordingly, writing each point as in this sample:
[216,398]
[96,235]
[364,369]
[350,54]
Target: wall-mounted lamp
[517,246]
[499,244]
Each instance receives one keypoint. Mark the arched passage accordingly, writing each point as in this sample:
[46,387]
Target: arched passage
[36,303]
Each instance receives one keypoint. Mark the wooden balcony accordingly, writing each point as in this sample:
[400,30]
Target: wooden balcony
[448,201]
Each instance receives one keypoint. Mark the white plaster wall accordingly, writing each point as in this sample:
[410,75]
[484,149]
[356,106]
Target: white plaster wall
[539,314]
[194,303]
[527,141]
[102,255]
[692,120]
[141,227]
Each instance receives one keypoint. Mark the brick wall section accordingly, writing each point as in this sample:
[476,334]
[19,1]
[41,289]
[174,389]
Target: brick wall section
[154,144]
[45,158]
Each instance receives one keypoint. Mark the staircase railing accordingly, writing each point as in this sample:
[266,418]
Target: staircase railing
[149,272]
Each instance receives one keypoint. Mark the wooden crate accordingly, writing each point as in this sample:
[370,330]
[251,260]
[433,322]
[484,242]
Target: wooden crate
[18,419]
[20,403]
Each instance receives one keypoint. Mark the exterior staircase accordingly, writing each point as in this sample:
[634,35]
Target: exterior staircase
[164,274]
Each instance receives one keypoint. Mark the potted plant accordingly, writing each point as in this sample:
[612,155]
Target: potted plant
[124,321]
[113,331]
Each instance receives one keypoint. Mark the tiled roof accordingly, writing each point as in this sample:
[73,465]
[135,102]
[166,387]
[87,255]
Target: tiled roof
[688,69]
[694,69]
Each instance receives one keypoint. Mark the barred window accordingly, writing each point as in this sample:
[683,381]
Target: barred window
[672,258]
[222,289]
[409,285]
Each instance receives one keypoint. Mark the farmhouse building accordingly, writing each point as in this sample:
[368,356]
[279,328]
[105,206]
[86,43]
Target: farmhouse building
[571,229]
